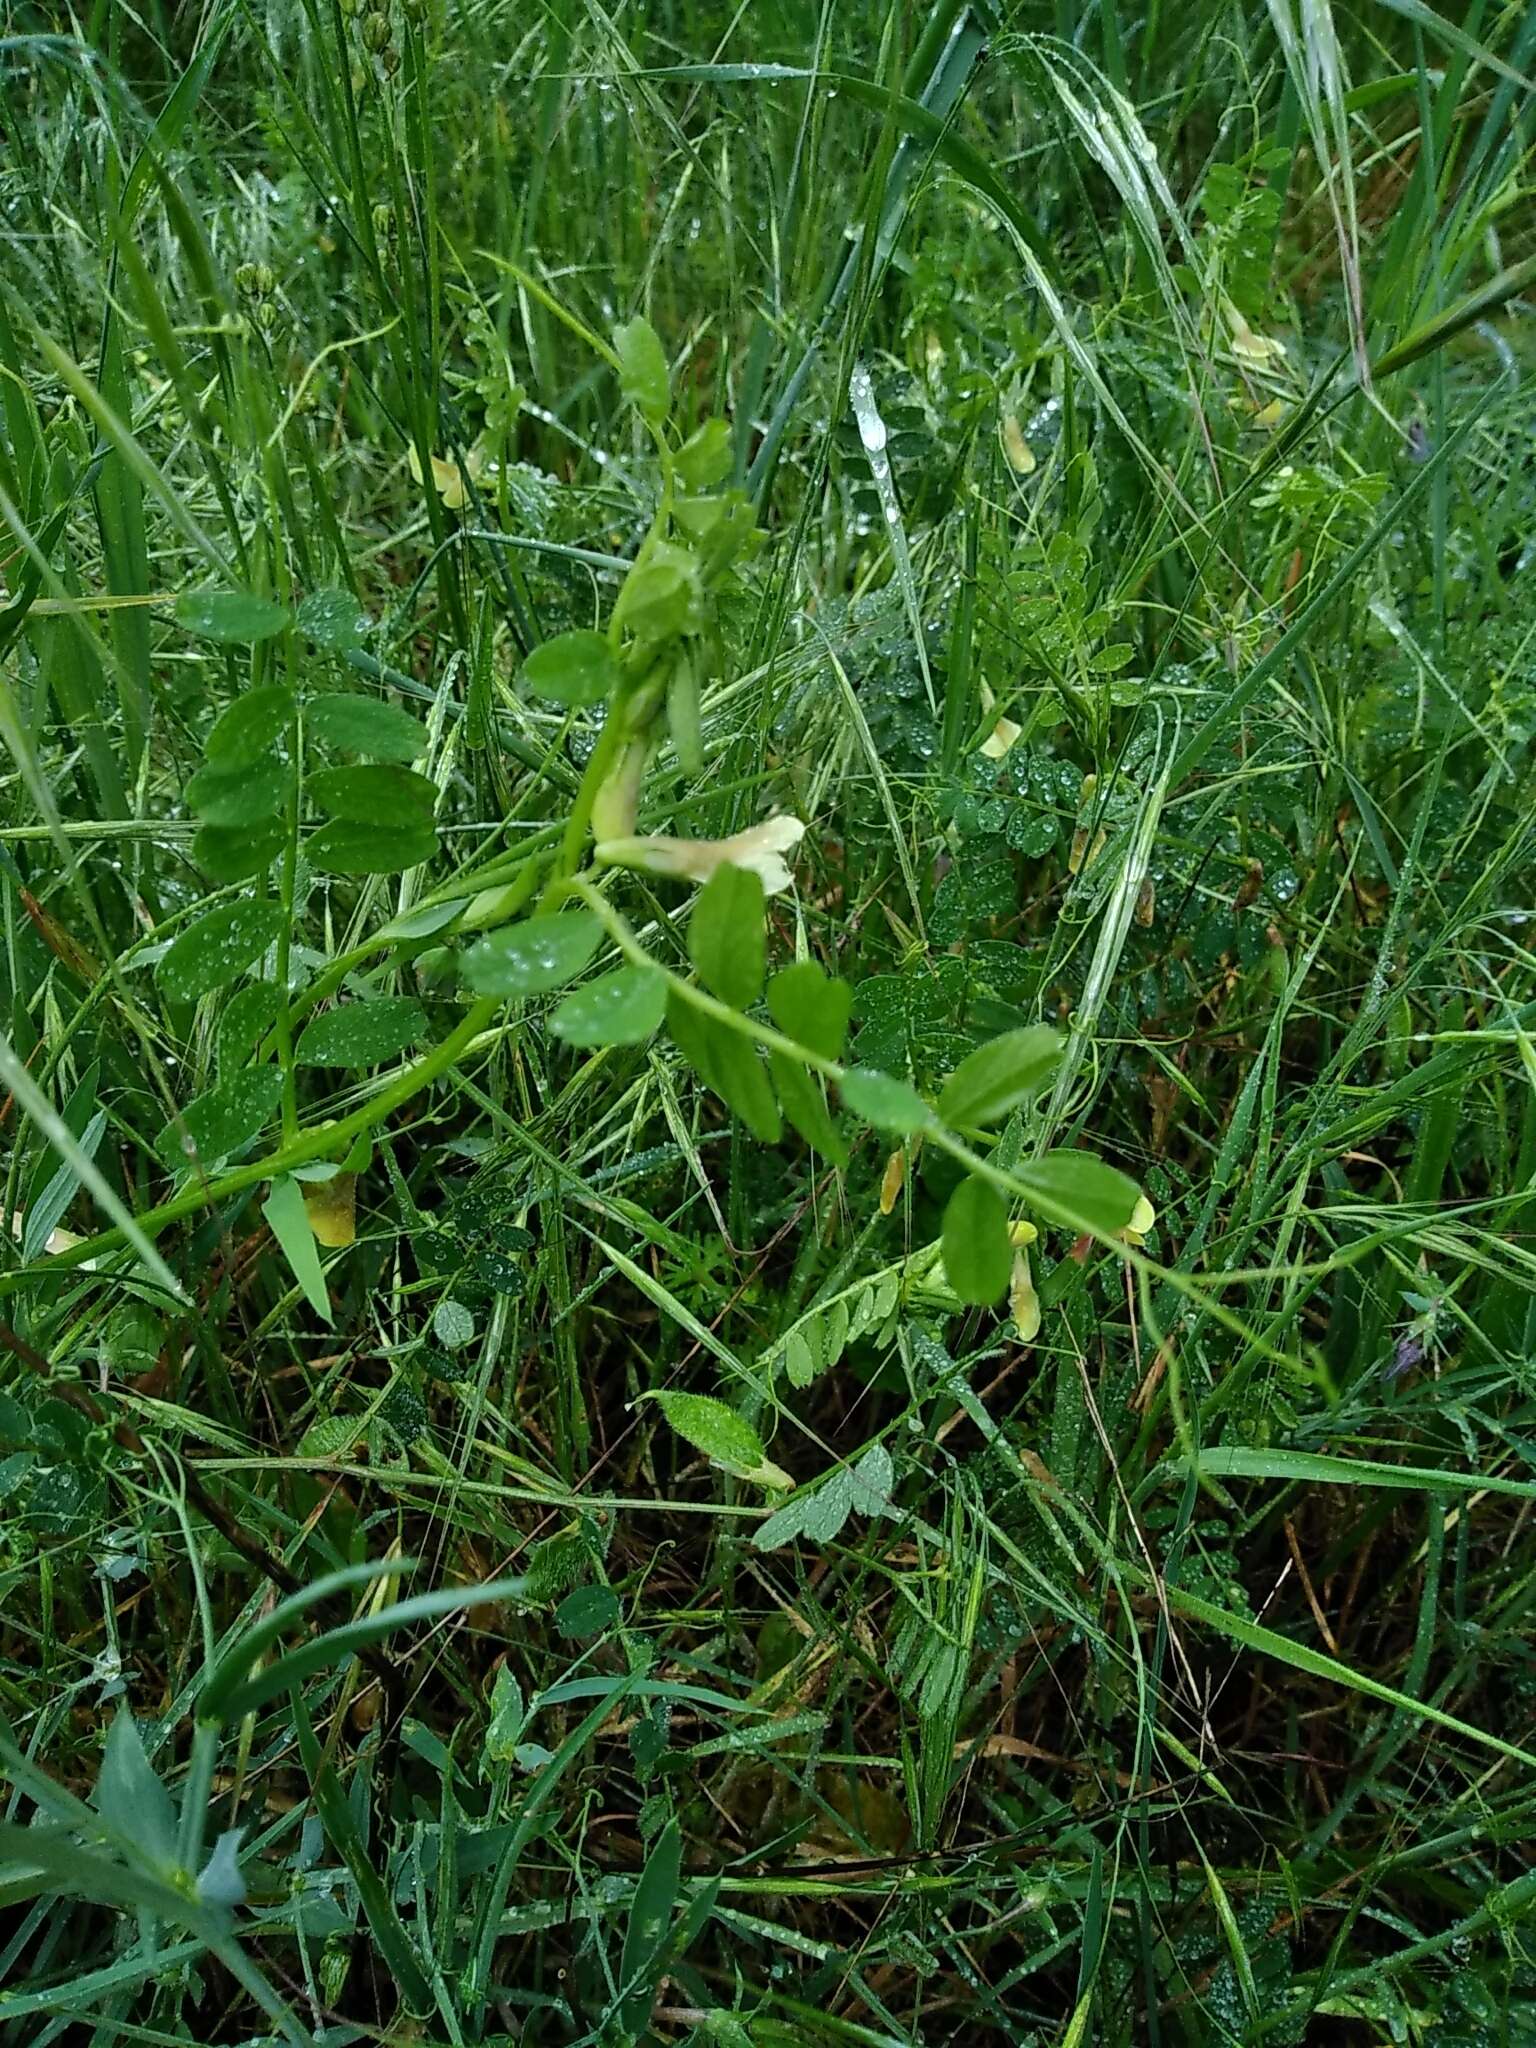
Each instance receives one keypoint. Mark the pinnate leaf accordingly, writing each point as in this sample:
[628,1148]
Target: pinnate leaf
[361,1034]
[726,1438]
[218,948]
[886,1103]
[530,958]
[622,1008]
[811,1007]
[573,668]
[1088,1194]
[725,936]
[232,617]
[991,1082]
[367,725]
[351,846]
[977,1254]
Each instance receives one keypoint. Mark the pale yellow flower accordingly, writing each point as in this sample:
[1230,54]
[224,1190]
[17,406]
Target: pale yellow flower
[331,1206]
[1143,1219]
[59,1240]
[1023,1302]
[1262,351]
[447,477]
[761,849]
[1021,457]
[1000,739]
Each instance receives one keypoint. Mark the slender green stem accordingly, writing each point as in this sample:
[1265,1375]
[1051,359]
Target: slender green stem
[314,1143]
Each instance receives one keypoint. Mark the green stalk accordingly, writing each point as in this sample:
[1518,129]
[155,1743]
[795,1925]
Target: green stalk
[306,1145]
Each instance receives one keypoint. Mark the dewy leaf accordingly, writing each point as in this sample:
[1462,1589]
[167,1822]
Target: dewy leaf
[367,725]
[452,1324]
[232,617]
[289,1223]
[622,1008]
[244,1020]
[377,794]
[252,794]
[232,853]
[862,1489]
[978,1256]
[130,1797]
[828,1508]
[659,596]
[587,1611]
[991,1082]
[348,846]
[333,619]
[362,1034]
[725,936]
[644,378]
[250,728]
[887,1104]
[223,1122]
[1087,1193]
[725,1437]
[705,457]
[574,668]
[218,948]
[786,1526]
[530,958]
[873,1477]
[811,1007]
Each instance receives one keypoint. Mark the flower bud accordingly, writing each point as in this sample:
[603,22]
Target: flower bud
[617,802]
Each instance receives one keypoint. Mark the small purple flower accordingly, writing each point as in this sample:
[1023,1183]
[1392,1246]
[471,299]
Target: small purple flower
[1409,1353]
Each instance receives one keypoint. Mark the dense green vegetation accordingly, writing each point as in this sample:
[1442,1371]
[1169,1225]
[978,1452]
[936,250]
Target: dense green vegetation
[917,1427]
